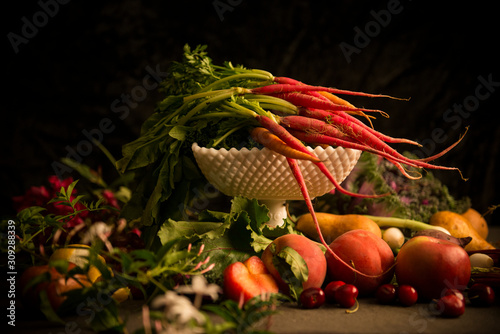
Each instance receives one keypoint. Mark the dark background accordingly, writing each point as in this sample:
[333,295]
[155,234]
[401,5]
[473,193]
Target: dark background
[64,80]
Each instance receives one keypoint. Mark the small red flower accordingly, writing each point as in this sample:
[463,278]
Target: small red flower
[40,196]
[56,183]
[110,198]
[34,196]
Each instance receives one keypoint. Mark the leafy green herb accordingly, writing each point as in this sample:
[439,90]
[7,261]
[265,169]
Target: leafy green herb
[32,221]
[204,103]
[227,237]
[248,319]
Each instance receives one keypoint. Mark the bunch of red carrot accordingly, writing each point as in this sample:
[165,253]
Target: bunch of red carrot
[325,119]
[322,120]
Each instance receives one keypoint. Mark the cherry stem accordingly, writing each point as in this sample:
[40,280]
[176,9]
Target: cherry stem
[354,309]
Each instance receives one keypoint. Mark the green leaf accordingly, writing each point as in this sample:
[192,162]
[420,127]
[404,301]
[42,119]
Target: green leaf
[233,246]
[259,242]
[70,189]
[179,132]
[61,266]
[151,210]
[29,213]
[107,320]
[125,261]
[141,152]
[248,318]
[76,200]
[165,248]
[148,256]
[45,277]
[292,268]
[190,230]
[47,309]
[258,213]
[85,171]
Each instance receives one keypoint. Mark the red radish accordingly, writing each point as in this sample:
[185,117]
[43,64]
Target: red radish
[271,141]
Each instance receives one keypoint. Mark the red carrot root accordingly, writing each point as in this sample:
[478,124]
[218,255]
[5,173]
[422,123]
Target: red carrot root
[309,101]
[283,134]
[274,143]
[325,115]
[293,142]
[443,152]
[294,167]
[286,85]
[320,139]
[326,96]
[342,128]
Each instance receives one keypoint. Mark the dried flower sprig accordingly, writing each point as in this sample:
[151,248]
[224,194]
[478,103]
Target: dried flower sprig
[200,287]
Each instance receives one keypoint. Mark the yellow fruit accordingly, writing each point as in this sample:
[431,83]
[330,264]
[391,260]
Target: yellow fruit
[477,221]
[460,227]
[121,294]
[76,253]
[332,225]
[94,274]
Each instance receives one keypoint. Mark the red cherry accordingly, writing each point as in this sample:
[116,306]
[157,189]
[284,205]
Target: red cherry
[451,306]
[407,295]
[312,298]
[481,295]
[386,293]
[330,291]
[346,295]
[455,292]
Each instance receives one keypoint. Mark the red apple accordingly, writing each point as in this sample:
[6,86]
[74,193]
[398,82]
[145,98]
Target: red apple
[248,279]
[365,252]
[307,249]
[432,266]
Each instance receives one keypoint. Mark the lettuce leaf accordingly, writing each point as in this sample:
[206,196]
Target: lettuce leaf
[228,237]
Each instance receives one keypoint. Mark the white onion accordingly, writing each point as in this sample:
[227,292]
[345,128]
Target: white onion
[394,237]
[481,260]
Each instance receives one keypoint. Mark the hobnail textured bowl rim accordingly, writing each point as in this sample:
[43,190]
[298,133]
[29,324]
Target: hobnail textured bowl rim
[225,170]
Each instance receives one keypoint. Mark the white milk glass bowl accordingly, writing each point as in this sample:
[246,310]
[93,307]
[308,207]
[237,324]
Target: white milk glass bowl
[265,175]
